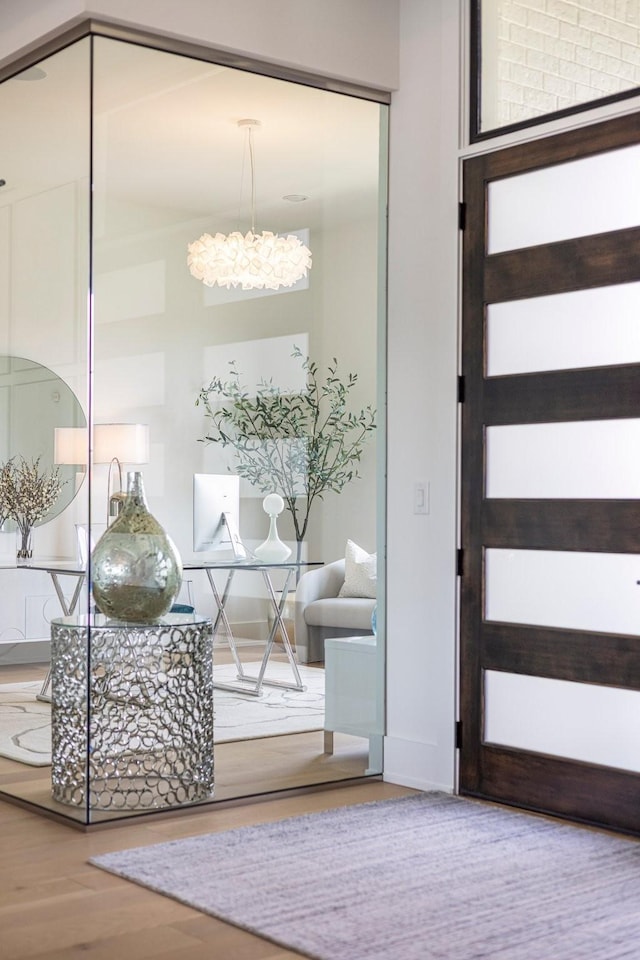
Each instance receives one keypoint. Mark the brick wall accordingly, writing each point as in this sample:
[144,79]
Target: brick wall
[554,54]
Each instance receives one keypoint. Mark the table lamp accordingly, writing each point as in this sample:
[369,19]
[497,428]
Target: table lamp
[118,443]
[71,448]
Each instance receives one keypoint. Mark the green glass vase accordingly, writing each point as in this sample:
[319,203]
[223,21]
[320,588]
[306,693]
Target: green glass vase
[136,571]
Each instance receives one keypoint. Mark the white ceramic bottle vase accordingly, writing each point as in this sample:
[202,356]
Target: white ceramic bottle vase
[273,550]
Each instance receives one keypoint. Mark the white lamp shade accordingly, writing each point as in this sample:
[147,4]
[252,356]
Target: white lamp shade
[70,445]
[126,442]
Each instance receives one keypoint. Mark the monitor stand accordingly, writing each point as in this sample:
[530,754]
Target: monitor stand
[238,549]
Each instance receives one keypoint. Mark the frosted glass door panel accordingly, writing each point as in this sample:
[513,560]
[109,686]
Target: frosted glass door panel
[557,588]
[579,721]
[588,459]
[574,199]
[584,328]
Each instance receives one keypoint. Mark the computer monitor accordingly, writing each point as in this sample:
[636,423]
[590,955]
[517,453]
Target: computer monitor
[216,507]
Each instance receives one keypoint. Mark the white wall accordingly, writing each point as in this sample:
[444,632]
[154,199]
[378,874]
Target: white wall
[25,22]
[348,310]
[423,244]
[354,40]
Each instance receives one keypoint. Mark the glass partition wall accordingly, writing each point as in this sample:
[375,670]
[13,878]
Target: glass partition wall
[99,292]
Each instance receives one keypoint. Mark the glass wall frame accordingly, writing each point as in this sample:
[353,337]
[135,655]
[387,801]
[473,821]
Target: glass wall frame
[126,272]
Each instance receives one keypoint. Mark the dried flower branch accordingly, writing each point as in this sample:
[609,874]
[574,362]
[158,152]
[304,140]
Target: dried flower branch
[5,484]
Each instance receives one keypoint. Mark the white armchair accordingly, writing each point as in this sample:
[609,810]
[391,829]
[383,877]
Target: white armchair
[321,613]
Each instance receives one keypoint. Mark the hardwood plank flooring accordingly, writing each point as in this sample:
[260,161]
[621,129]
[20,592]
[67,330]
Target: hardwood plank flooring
[55,906]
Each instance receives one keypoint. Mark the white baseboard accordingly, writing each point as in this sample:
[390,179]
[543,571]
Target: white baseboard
[420,765]
[424,785]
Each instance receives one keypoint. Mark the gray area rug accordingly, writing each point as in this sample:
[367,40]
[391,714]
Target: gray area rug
[426,877]
[25,723]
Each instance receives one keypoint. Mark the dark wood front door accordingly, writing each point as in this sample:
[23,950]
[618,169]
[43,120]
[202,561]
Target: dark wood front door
[550,508]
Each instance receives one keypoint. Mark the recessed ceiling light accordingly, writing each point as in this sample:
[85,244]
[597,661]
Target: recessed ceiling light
[295,197]
[32,73]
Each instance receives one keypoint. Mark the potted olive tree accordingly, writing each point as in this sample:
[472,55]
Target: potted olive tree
[299,445]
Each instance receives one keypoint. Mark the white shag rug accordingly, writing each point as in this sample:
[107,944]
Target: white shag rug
[25,723]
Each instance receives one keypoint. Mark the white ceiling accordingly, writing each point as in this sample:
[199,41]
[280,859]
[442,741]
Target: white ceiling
[167,139]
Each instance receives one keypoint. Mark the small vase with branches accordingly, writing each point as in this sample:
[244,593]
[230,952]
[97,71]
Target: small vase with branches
[27,493]
[300,445]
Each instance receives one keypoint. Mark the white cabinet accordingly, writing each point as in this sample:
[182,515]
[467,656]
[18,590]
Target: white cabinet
[353,703]
[28,603]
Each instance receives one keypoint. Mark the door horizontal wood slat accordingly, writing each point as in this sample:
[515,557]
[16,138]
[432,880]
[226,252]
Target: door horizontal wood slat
[577,264]
[569,788]
[609,659]
[607,526]
[603,393]
[562,147]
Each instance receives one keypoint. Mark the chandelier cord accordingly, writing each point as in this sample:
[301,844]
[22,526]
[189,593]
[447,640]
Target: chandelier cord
[253,181]
[240,192]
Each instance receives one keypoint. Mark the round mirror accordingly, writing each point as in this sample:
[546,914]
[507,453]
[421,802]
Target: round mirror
[34,402]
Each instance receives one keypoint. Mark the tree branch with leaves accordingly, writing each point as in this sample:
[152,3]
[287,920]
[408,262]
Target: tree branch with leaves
[300,445]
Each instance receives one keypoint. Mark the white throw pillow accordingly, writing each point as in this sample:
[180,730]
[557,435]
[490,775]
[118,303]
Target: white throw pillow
[360,572]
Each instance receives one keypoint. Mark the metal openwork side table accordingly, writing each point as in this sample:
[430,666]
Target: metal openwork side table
[132,712]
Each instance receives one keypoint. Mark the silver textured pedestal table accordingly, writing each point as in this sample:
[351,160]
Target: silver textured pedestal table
[131,712]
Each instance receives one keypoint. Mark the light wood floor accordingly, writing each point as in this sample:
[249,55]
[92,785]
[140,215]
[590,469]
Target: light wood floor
[56,906]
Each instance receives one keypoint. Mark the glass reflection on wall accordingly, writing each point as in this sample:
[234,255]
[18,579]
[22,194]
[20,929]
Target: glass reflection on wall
[170,163]
[44,447]
[173,164]
[43,296]
[39,415]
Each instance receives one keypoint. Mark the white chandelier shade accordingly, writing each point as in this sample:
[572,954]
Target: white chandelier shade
[252,261]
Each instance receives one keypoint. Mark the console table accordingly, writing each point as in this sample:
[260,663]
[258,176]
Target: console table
[131,712]
[247,684]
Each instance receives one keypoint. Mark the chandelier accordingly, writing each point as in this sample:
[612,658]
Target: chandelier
[252,261]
